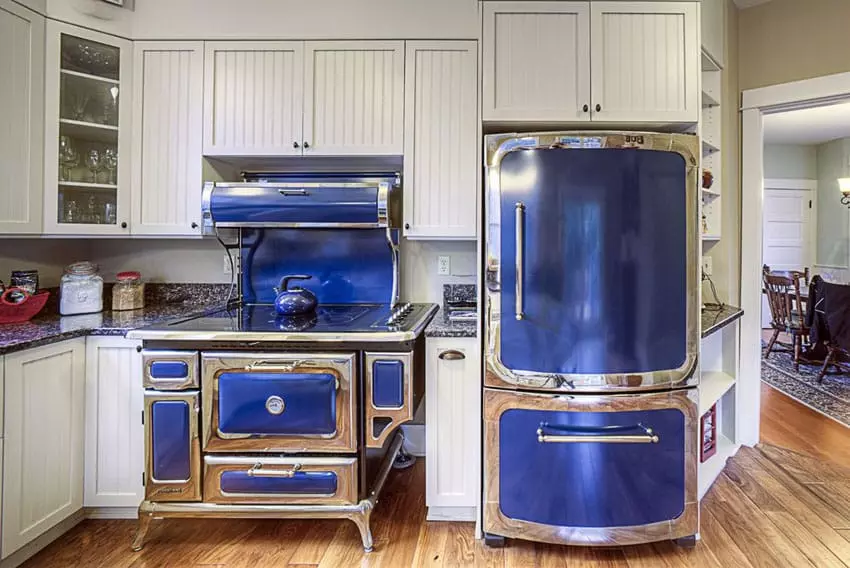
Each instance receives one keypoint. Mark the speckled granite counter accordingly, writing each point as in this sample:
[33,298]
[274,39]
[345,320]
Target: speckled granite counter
[714,319]
[440,326]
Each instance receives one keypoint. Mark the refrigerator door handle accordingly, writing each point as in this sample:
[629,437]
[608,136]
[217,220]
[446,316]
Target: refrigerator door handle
[520,246]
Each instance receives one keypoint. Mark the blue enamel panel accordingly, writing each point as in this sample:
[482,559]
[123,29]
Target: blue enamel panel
[169,370]
[348,266]
[301,483]
[605,261]
[170,443]
[387,384]
[591,484]
[309,403]
[305,205]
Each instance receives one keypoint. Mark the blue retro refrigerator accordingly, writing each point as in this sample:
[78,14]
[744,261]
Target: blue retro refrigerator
[591,338]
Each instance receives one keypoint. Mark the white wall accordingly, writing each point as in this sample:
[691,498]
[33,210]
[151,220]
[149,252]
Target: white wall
[790,161]
[833,224]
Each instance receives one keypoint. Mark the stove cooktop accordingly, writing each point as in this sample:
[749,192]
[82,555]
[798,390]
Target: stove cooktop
[260,322]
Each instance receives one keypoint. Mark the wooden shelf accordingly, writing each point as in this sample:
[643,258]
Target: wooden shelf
[709,470]
[708,64]
[709,101]
[712,386]
[711,237]
[713,192]
[87,185]
[87,76]
[88,131]
[708,148]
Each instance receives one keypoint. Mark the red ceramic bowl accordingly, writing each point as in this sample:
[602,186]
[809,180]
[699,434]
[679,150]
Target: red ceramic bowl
[25,311]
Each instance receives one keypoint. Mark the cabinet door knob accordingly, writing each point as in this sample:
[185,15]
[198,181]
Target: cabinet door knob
[306,144]
[585,108]
[194,225]
[598,108]
[296,145]
[451,355]
[407,225]
[124,225]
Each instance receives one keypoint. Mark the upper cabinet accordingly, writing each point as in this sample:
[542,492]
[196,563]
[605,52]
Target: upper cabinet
[536,61]
[87,137]
[21,119]
[167,126]
[295,98]
[613,62]
[441,150]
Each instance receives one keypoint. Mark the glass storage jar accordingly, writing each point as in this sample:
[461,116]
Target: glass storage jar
[81,289]
[128,292]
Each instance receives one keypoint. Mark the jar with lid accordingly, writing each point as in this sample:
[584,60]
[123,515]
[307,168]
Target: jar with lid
[26,279]
[81,289]
[128,293]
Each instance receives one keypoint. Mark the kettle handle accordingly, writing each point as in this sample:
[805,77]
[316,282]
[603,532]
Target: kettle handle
[284,282]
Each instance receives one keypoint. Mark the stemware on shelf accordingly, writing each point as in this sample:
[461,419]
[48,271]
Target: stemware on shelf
[110,162]
[68,158]
[94,163]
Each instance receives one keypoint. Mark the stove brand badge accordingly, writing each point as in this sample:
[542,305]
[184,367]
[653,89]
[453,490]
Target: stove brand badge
[275,405]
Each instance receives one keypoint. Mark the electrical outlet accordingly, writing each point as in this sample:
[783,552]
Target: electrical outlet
[444,265]
[706,265]
[227,268]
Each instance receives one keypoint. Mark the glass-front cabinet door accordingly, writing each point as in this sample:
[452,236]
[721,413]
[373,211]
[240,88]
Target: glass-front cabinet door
[87,132]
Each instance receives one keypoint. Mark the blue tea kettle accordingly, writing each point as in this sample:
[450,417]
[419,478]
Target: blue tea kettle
[294,301]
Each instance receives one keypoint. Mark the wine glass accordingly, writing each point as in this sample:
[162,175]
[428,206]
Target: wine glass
[94,163]
[110,162]
[68,157]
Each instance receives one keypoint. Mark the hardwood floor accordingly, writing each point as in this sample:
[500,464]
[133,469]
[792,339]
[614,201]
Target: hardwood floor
[770,507]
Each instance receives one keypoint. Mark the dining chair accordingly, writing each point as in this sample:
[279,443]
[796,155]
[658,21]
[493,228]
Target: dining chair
[804,274]
[783,298]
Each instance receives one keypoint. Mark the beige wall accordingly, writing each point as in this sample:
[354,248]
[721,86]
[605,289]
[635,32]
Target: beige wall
[790,40]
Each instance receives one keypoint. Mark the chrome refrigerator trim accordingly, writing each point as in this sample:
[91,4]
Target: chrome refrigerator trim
[496,374]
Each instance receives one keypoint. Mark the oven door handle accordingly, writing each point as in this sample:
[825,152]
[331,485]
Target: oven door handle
[274,366]
[596,434]
[519,308]
[258,471]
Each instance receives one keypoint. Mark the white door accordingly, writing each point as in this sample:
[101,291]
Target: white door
[536,58]
[253,98]
[21,119]
[788,225]
[43,453]
[645,62]
[167,138]
[354,98]
[440,140]
[114,430]
[452,428]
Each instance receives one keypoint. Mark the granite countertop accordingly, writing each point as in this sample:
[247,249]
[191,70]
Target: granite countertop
[440,326]
[713,319]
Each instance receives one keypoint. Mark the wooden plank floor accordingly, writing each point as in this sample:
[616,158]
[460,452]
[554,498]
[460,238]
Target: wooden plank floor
[770,507]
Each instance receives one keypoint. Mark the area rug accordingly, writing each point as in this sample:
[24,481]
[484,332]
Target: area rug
[832,397]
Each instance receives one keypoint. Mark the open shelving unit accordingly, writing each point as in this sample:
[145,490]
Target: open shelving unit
[710,131]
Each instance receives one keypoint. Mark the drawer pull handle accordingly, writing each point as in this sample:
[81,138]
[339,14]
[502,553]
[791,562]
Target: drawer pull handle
[451,355]
[649,437]
[258,471]
[274,366]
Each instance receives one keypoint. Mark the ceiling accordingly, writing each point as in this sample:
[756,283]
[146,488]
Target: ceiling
[808,126]
[749,3]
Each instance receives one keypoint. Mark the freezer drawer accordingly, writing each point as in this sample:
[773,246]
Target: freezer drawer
[172,450]
[274,403]
[591,470]
[390,397]
[280,480]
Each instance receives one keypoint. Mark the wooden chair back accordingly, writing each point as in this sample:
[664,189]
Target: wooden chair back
[803,274]
[783,297]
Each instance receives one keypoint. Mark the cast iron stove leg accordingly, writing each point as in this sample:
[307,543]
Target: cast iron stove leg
[362,522]
[686,541]
[142,530]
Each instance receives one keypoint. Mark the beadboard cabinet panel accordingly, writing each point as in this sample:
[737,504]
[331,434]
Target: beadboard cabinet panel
[43,453]
[441,134]
[453,425]
[253,98]
[536,61]
[21,119]
[167,131]
[645,62]
[114,430]
[354,98]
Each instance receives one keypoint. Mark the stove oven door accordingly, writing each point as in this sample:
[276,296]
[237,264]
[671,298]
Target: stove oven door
[584,470]
[262,402]
[172,449]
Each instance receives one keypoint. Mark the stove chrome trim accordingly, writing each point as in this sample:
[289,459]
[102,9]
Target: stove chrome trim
[397,415]
[190,357]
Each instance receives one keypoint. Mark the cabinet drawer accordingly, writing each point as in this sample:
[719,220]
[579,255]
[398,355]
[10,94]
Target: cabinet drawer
[237,479]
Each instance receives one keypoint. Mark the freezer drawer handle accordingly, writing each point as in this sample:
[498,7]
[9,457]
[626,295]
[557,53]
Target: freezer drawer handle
[520,245]
[597,435]
[451,355]
[258,471]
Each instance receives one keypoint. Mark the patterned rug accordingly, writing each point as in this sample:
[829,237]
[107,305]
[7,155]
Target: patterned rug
[832,397]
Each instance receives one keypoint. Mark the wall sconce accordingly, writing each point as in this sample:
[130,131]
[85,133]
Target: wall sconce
[844,187]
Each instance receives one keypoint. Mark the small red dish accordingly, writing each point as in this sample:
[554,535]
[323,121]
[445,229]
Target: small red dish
[24,311]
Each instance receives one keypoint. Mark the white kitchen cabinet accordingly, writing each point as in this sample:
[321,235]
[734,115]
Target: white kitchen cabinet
[21,119]
[253,98]
[354,98]
[536,61]
[167,138]
[440,140]
[87,137]
[452,428]
[114,449]
[43,453]
[645,62]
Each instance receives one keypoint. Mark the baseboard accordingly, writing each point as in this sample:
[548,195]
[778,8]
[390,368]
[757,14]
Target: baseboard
[112,513]
[414,439]
[452,514]
[41,542]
